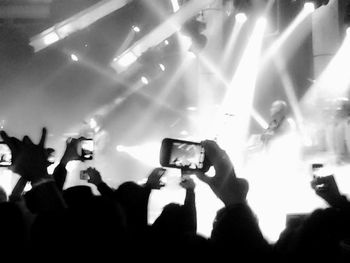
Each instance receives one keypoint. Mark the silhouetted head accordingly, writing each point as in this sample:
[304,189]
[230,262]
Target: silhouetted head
[173,219]
[77,195]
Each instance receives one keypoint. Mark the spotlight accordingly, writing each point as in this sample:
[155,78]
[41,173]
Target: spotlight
[309,7]
[162,67]
[74,57]
[175,4]
[136,29]
[241,18]
[126,59]
[166,42]
[51,38]
[144,80]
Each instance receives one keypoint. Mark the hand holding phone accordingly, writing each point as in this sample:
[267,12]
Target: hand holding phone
[85,149]
[327,188]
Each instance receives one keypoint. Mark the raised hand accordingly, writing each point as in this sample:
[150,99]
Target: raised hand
[28,159]
[94,176]
[227,187]
[327,189]
[153,180]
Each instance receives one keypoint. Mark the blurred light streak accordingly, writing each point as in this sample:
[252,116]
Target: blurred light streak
[237,105]
[231,44]
[175,4]
[285,37]
[259,119]
[334,80]
[161,99]
[163,31]
[75,23]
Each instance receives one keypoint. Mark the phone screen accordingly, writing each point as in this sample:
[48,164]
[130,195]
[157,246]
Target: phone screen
[5,155]
[84,175]
[320,170]
[87,149]
[187,155]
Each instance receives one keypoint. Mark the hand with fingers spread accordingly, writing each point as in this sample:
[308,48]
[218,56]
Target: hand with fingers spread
[153,180]
[326,188]
[94,176]
[227,187]
[29,159]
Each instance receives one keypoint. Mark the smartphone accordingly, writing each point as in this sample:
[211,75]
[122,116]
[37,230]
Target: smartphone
[320,170]
[84,175]
[86,149]
[5,155]
[182,154]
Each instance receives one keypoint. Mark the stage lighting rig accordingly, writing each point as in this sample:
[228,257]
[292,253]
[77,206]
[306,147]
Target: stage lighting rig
[194,29]
[318,3]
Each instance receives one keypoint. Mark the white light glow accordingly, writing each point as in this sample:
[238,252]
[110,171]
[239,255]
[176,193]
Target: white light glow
[136,29]
[241,18]
[348,31]
[74,57]
[237,106]
[92,123]
[120,148]
[175,5]
[127,59]
[162,67]
[336,70]
[192,108]
[166,42]
[144,80]
[184,133]
[51,38]
[309,7]
[147,154]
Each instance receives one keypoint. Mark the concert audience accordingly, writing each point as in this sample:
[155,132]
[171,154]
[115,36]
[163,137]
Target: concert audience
[47,221]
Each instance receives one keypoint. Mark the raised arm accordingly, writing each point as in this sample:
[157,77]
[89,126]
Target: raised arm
[190,202]
[30,162]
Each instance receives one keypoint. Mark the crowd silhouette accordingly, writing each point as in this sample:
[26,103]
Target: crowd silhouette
[49,222]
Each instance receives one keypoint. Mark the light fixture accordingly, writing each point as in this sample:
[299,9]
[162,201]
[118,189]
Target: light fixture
[126,59]
[309,7]
[74,57]
[241,18]
[136,29]
[144,80]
